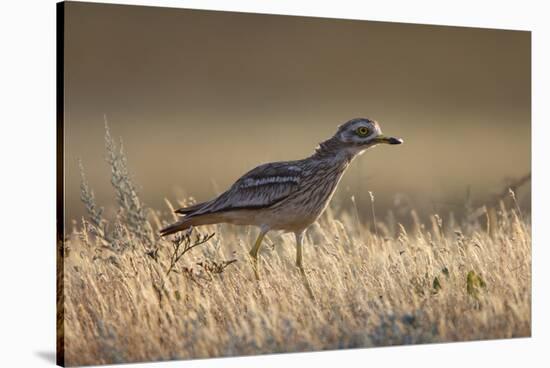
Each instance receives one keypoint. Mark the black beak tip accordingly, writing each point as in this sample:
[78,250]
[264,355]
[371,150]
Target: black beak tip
[393,140]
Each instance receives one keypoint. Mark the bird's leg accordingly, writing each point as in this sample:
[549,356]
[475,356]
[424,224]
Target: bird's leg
[299,264]
[254,252]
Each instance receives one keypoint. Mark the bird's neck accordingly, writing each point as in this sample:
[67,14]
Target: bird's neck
[332,149]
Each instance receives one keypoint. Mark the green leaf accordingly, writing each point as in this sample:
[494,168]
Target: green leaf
[436,284]
[474,283]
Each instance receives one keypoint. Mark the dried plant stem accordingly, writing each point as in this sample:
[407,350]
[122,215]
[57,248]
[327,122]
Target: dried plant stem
[371,195]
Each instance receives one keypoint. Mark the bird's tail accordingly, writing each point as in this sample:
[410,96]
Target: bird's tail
[188,221]
[181,225]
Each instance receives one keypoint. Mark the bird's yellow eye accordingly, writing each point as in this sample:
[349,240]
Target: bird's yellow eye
[362,131]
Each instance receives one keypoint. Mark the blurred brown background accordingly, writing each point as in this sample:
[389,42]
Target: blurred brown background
[201,97]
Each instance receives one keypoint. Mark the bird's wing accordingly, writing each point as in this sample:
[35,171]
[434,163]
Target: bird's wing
[259,188]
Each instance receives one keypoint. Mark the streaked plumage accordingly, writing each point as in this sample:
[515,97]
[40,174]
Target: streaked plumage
[288,195]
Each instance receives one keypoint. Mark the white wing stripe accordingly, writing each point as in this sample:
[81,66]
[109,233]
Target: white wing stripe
[251,182]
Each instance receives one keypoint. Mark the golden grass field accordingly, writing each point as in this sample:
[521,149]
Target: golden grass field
[126,298]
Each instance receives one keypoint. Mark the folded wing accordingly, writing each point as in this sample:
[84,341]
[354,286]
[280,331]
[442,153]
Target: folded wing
[261,187]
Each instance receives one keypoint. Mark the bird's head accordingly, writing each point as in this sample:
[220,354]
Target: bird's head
[353,138]
[357,135]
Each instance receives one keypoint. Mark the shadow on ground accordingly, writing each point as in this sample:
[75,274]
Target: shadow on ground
[48,356]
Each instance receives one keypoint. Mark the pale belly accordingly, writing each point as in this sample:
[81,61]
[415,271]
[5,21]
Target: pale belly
[290,221]
[288,218]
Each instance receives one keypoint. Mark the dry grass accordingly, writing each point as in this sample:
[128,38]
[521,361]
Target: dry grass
[371,291]
[126,300]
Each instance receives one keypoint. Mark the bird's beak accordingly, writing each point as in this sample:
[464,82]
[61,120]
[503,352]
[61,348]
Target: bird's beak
[387,140]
